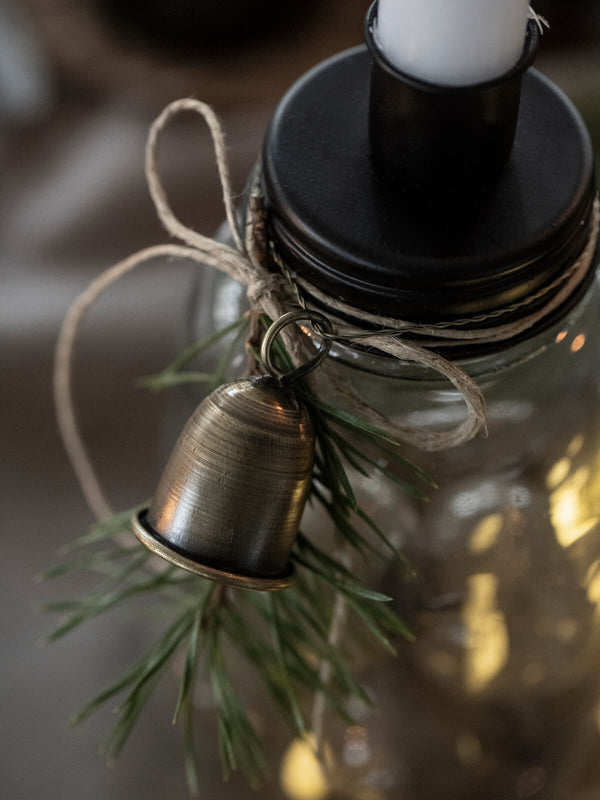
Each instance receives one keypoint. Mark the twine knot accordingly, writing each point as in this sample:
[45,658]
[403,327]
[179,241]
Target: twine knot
[264,288]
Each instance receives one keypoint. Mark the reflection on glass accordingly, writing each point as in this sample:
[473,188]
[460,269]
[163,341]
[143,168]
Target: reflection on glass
[485,533]
[502,685]
[577,343]
[487,638]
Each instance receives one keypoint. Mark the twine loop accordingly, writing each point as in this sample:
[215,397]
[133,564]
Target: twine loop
[275,293]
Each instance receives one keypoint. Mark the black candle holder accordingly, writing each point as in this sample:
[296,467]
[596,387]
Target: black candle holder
[434,247]
[436,139]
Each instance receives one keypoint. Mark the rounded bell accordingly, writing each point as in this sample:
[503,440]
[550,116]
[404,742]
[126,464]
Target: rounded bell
[229,502]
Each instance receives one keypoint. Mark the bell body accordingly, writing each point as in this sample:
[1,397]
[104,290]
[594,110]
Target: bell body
[231,496]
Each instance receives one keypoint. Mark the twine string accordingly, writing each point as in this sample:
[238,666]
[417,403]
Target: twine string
[63,363]
[274,294]
[156,188]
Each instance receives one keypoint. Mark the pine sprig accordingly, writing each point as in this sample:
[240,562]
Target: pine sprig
[209,623]
[239,745]
[174,374]
[104,529]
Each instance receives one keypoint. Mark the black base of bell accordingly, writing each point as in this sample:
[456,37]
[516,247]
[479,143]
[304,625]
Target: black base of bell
[160,547]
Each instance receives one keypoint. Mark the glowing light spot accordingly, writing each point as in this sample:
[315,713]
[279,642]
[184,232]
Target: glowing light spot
[468,748]
[569,510]
[487,638]
[561,336]
[578,343]
[592,570]
[485,534]
[592,582]
[558,473]
[301,774]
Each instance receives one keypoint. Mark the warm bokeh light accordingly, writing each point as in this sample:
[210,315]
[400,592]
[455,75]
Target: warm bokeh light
[485,534]
[578,343]
[558,473]
[569,511]
[301,774]
[592,583]
[488,644]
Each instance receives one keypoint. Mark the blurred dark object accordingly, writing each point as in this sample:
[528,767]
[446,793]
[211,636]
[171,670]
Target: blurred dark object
[228,52]
[173,25]
[161,50]
[25,84]
[570,23]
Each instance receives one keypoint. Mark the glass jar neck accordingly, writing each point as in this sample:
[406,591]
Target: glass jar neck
[481,367]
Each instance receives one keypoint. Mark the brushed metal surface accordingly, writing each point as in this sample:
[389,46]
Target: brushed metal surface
[232,494]
[149,537]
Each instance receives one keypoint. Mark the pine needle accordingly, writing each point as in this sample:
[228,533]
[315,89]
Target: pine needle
[105,529]
[282,650]
[284,637]
[163,379]
[239,745]
[348,420]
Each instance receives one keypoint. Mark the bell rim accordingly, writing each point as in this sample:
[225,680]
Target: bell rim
[148,537]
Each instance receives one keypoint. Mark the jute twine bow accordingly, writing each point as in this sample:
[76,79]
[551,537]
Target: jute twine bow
[273,294]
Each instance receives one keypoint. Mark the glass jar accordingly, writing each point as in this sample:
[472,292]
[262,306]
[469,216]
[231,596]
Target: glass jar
[499,694]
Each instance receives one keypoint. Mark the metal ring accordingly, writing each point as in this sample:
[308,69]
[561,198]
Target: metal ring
[266,350]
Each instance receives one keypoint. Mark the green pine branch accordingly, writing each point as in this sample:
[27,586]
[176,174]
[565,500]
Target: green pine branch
[209,623]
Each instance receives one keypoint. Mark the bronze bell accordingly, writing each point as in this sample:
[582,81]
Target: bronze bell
[230,499]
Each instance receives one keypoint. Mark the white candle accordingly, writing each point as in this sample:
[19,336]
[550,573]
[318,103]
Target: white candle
[452,42]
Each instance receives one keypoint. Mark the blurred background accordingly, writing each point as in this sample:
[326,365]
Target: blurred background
[79,84]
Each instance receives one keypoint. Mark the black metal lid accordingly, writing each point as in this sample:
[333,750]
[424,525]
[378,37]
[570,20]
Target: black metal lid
[356,236]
